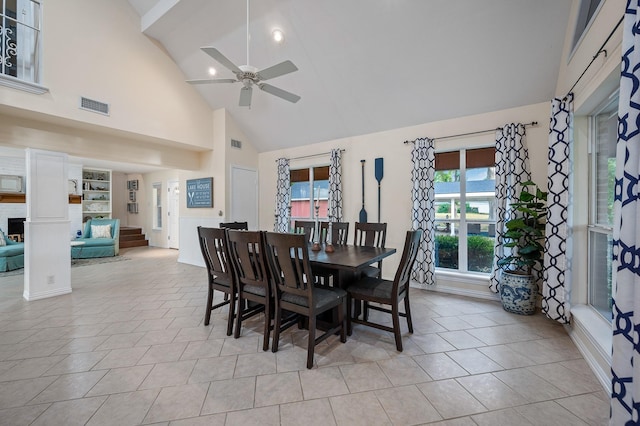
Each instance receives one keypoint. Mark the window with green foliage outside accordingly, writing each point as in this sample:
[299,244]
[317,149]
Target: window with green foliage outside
[603,168]
[465,210]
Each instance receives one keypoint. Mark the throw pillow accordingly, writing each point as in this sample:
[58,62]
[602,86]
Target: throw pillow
[100,231]
[3,242]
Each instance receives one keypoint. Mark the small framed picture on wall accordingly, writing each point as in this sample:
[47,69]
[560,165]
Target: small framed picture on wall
[132,185]
[132,196]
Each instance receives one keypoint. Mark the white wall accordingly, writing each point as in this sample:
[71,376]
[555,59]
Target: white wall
[155,117]
[117,65]
[217,164]
[119,197]
[246,157]
[396,184]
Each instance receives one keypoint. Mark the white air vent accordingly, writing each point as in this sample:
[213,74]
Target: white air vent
[94,106]
[236,144]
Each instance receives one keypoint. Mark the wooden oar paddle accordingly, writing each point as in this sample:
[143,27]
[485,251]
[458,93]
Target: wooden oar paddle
[379,171]
[363,212]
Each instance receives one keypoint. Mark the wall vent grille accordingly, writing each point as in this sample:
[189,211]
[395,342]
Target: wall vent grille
[236,144]
[94,106]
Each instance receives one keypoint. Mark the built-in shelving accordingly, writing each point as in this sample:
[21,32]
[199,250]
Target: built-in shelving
[96,193]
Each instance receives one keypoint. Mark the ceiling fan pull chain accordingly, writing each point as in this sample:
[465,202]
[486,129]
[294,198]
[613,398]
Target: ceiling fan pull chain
[248,32]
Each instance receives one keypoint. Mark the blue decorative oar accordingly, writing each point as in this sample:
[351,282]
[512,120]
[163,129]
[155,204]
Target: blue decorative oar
[379,173]
[363,212]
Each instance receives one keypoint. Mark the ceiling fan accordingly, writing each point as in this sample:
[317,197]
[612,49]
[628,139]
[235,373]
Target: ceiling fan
[250,76]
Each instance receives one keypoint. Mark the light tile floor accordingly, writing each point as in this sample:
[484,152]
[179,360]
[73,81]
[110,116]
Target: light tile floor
[128,347]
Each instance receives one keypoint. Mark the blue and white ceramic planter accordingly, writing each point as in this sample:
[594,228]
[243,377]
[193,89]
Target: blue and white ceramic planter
[518,293]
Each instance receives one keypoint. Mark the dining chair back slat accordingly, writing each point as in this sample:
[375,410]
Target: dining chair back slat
[307,227]
[402,278]
[289,263]
[247,253]
[214,247]
[371,235]
[339,232]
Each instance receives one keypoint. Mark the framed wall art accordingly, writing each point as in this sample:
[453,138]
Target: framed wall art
[200,192]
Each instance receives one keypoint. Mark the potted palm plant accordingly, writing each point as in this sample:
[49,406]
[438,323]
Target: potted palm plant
[525,237]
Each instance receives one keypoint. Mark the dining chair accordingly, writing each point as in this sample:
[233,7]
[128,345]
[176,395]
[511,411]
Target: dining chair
[247,254]
[385,292]
[339,232]
[306,227]
[371,235]
[214,247]
[294,289]
[234,225]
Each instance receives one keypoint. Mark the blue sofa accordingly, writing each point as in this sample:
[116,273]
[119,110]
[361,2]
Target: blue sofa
[11,255]
[98,247]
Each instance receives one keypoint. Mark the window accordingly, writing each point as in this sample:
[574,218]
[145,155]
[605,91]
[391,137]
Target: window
[309,188]
[604,132]
[157,206]
[20,39]
[587,11]
[465,209]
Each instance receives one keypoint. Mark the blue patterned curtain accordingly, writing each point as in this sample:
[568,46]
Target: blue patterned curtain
[283,197]
[423,212]
[556,287]
[512,168]
[625,359]
[335,186]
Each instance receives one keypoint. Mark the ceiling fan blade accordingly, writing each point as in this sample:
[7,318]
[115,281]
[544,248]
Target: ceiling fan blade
[245,96]
[277,70]
[215,54]
[287,96]
[212,80]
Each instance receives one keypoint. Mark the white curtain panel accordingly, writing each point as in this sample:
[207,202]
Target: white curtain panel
[335,186]
[423,157]
[556,287]
[512,168]
[625,360]
[283,197]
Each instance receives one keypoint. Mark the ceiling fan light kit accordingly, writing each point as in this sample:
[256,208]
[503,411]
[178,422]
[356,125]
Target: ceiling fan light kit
[249,75]
[278,36]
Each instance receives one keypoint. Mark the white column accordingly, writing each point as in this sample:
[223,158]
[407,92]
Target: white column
[47,253]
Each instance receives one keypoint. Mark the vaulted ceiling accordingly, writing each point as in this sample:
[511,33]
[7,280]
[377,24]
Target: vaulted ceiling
[366,65]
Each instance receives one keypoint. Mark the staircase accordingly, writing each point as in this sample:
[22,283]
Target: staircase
[132,237]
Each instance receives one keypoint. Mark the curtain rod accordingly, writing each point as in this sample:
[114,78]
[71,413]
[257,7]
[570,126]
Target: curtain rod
[312,155]
[601,50]
[533,123]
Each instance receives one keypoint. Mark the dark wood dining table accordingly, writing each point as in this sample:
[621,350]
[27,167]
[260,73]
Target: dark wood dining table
[348,260]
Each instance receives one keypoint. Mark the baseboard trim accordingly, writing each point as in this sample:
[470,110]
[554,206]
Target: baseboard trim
[45,294]
[594,343]
[478,294]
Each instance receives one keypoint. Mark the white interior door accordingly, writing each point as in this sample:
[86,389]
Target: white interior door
[244,196]
[173,213]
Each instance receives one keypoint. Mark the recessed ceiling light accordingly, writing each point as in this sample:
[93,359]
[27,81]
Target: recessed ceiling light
[212,71]
[278,35]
